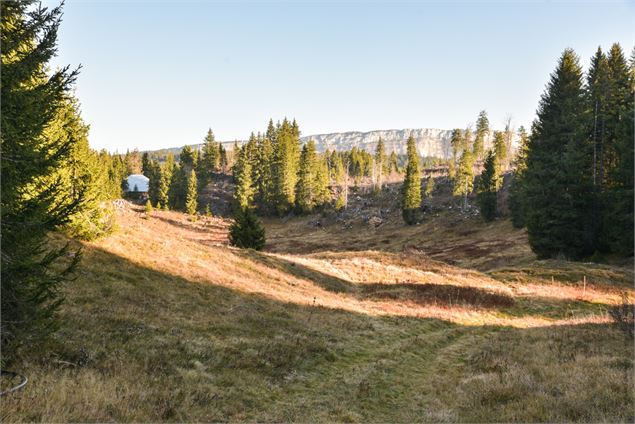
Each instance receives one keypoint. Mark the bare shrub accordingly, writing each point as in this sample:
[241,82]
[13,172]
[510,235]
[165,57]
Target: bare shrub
[624,315]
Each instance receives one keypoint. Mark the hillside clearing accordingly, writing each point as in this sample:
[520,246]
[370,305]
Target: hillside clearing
[165,322]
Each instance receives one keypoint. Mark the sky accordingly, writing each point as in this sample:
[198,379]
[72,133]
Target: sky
[158,74]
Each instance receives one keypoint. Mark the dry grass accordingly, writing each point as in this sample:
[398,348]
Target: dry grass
[167,323]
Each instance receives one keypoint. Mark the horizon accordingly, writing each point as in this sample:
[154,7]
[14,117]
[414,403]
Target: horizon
[378,66]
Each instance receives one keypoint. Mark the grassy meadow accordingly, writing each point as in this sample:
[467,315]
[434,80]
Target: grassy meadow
[451,320]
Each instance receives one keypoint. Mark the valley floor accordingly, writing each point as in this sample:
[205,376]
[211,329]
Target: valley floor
[450,320]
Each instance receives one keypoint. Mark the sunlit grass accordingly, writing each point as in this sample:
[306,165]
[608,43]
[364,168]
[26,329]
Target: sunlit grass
[166,322]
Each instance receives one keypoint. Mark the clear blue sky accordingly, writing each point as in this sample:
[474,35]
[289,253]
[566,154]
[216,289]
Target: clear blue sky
[158,74]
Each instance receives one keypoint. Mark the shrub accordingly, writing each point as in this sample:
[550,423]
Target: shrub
[247,231]
[624,315]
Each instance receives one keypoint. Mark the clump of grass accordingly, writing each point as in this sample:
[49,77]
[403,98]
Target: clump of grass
[624,315]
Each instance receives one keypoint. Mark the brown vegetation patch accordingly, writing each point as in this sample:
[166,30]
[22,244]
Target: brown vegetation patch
[443,295]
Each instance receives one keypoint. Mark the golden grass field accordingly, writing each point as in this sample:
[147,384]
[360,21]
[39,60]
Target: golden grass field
[451,320]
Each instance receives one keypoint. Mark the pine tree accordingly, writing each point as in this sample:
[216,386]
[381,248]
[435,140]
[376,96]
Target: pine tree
[305,187]
[191,199]
[456,142]
[188,158]
[429,187]
[598,88]
[263,180]
[82,176]
[618,220]
[322,190]
[394,163]
[247,231]
[286,158]
[31,205]
[380,162]
[516,193]
[500,150]
[243,191]
[166,177]
[209,160]
[154,185]
[148,208]
[488,186]
[482,131]
[222,154]
[464,177]
[411,189]
[557,186]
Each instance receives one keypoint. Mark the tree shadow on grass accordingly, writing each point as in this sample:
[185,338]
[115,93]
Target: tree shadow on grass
[422,293]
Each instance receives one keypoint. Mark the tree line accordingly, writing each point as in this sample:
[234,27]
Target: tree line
[573,187]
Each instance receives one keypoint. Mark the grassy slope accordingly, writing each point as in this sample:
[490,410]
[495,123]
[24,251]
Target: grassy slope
[167,323]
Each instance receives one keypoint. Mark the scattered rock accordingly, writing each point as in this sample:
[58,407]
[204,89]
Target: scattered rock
[375,221]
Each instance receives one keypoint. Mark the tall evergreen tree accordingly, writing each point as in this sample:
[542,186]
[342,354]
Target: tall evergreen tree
[191,198]
[557,185]
[482,132]
[263,174]
[464,177]
[500,150]
[222,155]
[82,176]
[456,142]
[243,191]
[304,187]
[393,163]
[154,185]
[31,205]
[516,193]
[618,221]
[286,157]
[380,162]
[209,161]
[411,189]
[166,171]
[488,186]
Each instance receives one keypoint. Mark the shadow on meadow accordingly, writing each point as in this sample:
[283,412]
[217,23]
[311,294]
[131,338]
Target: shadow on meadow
[141,345]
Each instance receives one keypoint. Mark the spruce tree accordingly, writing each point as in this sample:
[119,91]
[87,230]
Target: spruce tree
[618,220]
[191,199]
[516,193]
[209,160]
[222,154]
[380,162]
[166,177]
[31,205]
[322,194]
[247,231]
[488,186]
[286,158]
[243,191]
[464,176]
[263,181]
[394,163]
[154,185]
[482,132]
[411,189]
[557,182]
[456,143]
[305,188]
[82,176]
[500,150]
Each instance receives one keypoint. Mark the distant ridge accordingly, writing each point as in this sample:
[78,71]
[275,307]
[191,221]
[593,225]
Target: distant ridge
[431,142]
